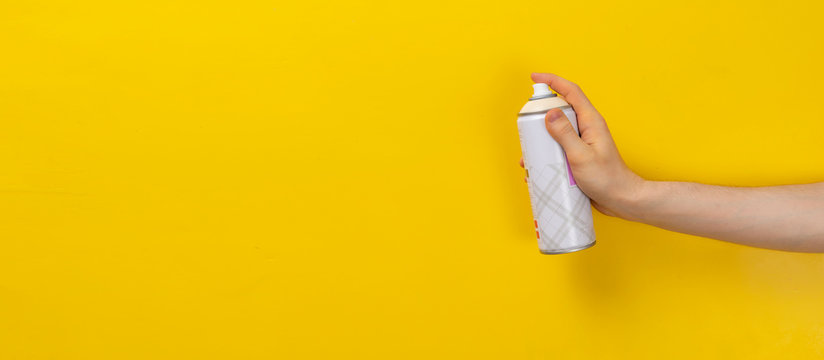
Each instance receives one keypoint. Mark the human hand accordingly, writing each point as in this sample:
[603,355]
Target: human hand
[593,157]
[754,216]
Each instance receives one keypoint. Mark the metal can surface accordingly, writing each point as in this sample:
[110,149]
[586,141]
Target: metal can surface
[561,211]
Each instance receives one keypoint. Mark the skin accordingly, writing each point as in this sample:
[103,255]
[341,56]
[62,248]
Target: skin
[789,218]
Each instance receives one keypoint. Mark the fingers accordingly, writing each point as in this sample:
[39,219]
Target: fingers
[588,116]
[562,131]
[569,90]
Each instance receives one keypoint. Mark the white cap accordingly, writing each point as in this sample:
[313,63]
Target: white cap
[540,90]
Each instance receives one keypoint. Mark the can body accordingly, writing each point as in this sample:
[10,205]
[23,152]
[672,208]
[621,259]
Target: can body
[561,211]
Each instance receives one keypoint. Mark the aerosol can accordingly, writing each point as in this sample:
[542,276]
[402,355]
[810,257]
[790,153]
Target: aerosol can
[562,213]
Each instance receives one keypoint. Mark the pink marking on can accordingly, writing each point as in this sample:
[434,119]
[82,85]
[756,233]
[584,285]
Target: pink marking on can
[569,172]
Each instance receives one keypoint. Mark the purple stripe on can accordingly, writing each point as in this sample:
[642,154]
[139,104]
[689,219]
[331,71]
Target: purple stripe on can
[569,172]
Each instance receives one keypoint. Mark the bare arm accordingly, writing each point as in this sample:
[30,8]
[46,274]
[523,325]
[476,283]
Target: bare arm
[787,217]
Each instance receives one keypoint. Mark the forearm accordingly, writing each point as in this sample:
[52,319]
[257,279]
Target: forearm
[787,217]
[778,217]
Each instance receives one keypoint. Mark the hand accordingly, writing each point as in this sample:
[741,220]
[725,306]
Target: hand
[775,217]
[598,168]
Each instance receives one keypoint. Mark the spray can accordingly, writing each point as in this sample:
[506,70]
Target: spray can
[561,212]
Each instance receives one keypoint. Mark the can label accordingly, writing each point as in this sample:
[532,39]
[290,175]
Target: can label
[562,212]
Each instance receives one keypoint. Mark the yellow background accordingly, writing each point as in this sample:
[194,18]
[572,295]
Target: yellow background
[312,179]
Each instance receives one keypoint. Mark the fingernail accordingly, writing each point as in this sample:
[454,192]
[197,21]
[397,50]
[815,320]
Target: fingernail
[554,115]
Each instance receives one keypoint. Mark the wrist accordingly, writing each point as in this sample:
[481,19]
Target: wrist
[632,204]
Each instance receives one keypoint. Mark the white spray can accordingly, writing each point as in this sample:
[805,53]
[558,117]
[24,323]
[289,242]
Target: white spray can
[562,213]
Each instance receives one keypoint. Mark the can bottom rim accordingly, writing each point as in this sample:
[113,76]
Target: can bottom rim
[566,251]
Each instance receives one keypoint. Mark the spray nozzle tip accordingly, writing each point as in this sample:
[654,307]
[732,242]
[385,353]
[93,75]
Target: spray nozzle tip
[540,90]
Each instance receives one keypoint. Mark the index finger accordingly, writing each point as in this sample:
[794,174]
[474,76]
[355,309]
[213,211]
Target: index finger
[569,90]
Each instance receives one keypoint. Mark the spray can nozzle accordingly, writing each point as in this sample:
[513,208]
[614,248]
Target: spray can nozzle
[540,91]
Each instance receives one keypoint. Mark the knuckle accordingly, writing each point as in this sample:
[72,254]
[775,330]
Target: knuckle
[576,89]
[580,157]
[564,128]
[573,86]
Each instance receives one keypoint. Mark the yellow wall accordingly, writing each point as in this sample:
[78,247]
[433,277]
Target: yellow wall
[302,179]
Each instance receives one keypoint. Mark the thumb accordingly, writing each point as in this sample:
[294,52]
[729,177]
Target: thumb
[562,131]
